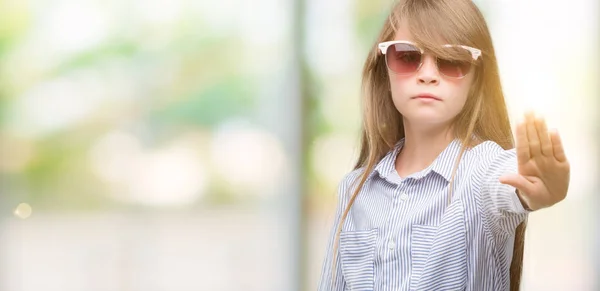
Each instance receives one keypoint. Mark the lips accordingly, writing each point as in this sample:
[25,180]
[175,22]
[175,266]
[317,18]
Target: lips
[427,96]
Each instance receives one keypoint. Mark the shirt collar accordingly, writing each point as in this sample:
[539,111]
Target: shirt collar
[442,165]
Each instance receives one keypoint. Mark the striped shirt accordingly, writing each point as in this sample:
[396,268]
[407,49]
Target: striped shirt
[405,233]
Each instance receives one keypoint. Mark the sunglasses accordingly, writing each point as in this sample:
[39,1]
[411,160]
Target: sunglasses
[405,58]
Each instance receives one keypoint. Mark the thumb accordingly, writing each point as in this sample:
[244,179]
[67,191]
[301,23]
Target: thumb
[516,181]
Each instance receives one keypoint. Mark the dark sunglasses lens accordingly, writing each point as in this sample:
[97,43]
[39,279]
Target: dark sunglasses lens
[453,68]
[458,66]
[403,58]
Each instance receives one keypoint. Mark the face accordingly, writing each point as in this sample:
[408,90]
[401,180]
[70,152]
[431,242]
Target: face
[427,98]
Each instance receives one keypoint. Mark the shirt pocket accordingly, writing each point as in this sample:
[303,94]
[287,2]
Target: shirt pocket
[357,252]
[422,237]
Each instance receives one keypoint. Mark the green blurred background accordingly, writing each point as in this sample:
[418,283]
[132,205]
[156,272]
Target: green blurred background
[197,145]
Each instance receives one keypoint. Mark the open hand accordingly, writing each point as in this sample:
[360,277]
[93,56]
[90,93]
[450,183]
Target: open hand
[543,177]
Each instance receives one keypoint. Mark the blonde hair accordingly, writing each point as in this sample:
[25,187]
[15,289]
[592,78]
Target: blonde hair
[483,117]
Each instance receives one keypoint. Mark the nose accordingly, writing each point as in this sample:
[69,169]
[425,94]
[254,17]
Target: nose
[428,73]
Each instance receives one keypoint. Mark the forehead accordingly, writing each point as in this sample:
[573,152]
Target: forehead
[402,32]
[426,38]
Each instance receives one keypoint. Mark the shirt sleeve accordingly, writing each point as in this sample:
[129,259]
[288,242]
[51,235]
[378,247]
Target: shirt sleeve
[332,278]
[500,201]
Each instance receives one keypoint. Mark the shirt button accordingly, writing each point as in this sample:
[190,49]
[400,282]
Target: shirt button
[404,196]
[391,245]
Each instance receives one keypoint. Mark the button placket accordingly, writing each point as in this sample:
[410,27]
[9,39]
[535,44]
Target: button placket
[401,194]
[391,244]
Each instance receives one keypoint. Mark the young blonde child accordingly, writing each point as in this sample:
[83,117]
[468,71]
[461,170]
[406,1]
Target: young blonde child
[439,196]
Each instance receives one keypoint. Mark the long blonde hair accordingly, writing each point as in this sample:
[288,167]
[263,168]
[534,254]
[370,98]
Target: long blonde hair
[484,115]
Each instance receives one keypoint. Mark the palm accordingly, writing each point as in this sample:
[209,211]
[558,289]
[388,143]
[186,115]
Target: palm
[543,178]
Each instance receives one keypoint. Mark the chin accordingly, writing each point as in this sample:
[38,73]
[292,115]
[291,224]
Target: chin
[427,119]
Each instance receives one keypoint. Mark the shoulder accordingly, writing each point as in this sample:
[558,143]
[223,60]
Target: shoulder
[488,151]
[349,183]
[488,156]
[487,148]
[352,178]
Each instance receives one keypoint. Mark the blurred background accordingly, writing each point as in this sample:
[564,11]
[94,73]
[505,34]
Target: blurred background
[197,145]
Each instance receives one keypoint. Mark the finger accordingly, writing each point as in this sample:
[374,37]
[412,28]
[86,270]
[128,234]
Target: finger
[532,138]
[523,154]
[559,152]
[542,133]
[518,182]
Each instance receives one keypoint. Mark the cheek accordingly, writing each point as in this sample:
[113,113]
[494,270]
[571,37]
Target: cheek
[398,84]
[398,90]
[461,91]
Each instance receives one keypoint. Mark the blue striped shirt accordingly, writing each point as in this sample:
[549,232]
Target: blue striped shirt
[405,233]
